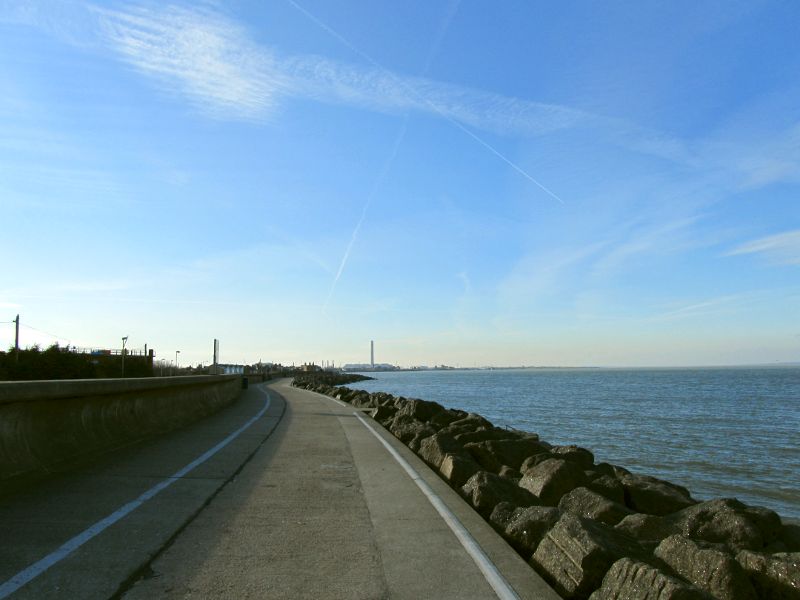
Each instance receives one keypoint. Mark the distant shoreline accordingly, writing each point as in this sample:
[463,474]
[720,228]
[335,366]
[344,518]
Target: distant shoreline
[783,365]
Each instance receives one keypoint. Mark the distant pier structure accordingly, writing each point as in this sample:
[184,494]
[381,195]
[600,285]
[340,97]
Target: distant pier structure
[372,353]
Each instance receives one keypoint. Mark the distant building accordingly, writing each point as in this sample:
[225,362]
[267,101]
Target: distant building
[370,367]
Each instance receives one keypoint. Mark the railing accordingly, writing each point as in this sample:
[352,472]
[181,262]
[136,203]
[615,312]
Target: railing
[107,352]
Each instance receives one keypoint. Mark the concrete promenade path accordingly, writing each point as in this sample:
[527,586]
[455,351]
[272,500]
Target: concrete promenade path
[286,494]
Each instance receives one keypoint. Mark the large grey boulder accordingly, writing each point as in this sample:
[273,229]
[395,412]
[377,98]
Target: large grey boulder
[406,428]
[608,486]
[361,399]
[509,473]
[708,568]
[629,579]
[457,468]
[576,553]
[648,530]
[470,422]
[581,456]
[789,537]
[343,394]
[534,460]
[486,490]
[421,410]
[421,435]
[434,448]
[654,496]
[501,515]
[551,479]
[728,521]
[615,471]
[496,433]
[382,399]
[446,417]
[384,414]
[527,526]
[591,505]
[774,576]
[483,456]
[511,452]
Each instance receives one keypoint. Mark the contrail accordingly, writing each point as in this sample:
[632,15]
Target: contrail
[412,92]
[398,141]
[448,18]
[374,192]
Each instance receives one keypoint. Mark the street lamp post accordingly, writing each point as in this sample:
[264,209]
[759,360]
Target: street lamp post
[176,359]
[124,339]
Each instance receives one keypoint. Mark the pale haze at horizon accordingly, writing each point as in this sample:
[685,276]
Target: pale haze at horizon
[465,183]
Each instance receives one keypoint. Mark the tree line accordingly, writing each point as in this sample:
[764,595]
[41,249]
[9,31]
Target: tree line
[59,362]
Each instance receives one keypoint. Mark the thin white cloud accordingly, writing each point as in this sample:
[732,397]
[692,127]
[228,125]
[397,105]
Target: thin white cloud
[781,248]
[663,238]
[211,60]
[384,91]
[198,53]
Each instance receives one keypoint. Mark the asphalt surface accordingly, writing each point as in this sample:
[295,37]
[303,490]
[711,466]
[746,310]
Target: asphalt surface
[306,502]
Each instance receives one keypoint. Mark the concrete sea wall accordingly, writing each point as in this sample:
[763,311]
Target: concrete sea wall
[594,530]
[45,425]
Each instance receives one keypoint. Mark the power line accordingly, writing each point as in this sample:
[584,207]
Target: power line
[58,337]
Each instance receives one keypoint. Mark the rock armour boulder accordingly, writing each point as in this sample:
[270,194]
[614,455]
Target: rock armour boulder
[576,553]
[708,568]
[774,576]
[648,530]
[654,496]
[728,521]
[421,410]
[457,469]
[551,479]
[608,486]
[526,527]
[486,490]
[628,579]
[591,505]
[580,456]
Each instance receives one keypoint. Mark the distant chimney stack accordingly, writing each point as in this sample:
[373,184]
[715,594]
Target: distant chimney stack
[372,353]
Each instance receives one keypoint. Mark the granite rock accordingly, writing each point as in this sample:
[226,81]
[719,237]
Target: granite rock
[709,569]
[591,505]
[486,490]
[629,579]
[728,521]
[551,479]
[654,496]
[576,553]
[774,576]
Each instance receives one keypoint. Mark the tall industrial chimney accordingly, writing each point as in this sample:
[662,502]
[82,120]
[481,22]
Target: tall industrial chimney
[372,353]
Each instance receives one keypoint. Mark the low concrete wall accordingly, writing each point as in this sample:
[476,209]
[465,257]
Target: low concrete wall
[45,425]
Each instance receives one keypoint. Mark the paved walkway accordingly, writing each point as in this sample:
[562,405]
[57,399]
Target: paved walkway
[308,502]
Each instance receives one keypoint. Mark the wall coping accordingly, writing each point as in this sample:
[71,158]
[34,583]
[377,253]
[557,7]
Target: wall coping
[29,391]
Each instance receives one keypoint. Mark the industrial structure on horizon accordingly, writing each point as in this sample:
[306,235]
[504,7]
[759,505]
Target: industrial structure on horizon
[371,366]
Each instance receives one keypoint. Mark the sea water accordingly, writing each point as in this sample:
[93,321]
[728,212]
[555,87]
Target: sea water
[721,432]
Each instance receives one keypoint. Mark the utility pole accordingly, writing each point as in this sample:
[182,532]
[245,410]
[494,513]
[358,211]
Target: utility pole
[124,339]
[16,339]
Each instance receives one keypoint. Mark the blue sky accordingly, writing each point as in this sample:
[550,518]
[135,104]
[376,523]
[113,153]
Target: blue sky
[467,183]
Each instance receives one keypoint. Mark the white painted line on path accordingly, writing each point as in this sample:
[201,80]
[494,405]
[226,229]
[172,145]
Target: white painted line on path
[495,579]
[40,566]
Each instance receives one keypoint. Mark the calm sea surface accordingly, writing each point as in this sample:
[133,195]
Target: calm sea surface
[725,432]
